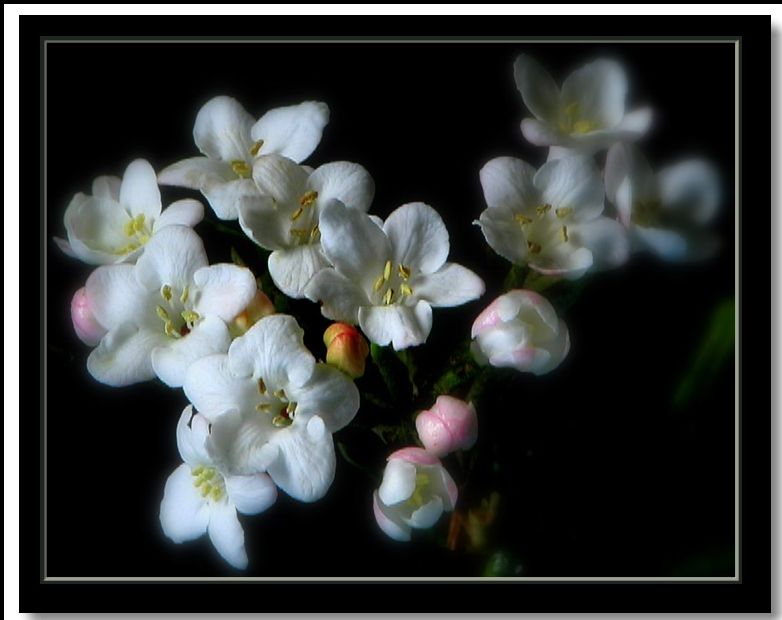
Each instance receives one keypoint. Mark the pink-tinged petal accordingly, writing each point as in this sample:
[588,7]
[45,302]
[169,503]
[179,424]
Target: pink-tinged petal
[451,491]
[417,456]
[86,326]
[434,434]
[459,418]
[184,514]
[391,524]
[64,246]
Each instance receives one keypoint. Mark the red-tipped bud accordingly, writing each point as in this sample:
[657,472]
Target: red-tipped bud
[346,349]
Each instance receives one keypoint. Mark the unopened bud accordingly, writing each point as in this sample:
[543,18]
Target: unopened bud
[346,349]
[259,307]
[85,324]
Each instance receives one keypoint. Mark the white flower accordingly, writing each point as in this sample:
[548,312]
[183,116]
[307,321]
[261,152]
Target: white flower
[164,312]
[666,213]
[387,276]
[587,114]
[231,140]
[415,491]
[550,219]
[520,330]
[273,408]
[120,217]
[200,498]
[285,218]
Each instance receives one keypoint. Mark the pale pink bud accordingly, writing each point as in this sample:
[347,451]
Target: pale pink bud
[346,349]
[259,307]
[451,424]
[86,326]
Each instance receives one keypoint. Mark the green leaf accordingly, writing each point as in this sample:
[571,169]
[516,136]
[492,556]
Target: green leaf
[393,372]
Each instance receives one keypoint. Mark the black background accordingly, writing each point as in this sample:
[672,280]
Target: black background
[599,475]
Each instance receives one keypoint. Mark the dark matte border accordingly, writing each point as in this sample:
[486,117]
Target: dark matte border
[752,594]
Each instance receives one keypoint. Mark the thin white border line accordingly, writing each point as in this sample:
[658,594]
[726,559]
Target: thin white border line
[736,578]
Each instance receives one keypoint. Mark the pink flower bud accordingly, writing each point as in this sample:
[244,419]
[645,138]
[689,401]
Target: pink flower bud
[451,424]
[346,349]
[259,307]
[86,326]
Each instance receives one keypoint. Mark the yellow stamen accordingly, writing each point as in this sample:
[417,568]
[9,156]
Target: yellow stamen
[280,394]
[190,316]
[206,489]
[583,126]
[198,469]
[166,292]
[563,233]
[387,270]
[261,386]
[241,168]
[522,219]
[300,232]
[256,147]
[388,298]
[563,212]
[162,313]
[315,233]
[541,210]
[291,409]
[170,330]
[185,294]
[308,198]
[378,283]
[217,493]
[297,214]
[263,407]
[404,272]
[405,289]
[280,420]
[534,248]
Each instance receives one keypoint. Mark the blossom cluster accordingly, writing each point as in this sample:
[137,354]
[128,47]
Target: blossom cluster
[262,408]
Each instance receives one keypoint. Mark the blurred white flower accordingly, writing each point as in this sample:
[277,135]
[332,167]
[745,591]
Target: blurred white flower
[273,408]
[520,330]
[666,213]
[550,219]
[164,312]
[285,216]
[200,498]
[415,491]
[587,114]
[119,218]
[387,276]
[231,140]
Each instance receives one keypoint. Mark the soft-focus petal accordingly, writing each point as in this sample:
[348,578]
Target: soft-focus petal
[598,89]
[418,237]
[260,220]
[504,235]
[451,285]
[95,228]
[340,297]
[251,494]
[123,357]
[541,134]
[139,192]
[224,290]
[398,482]
[626,165]
[402,326]
[572,182]
[213,389]
[389,521]
[187,212]
[222,129]
[667,244]
[691,190]
[606,239]
[538,89]
[65,247]
[184,515]
[508,182]
[293,131]
[171,257]
[291,269]
[106,187]
[347,182]
[568,263]
[635,123]
[226,534]
[329,394]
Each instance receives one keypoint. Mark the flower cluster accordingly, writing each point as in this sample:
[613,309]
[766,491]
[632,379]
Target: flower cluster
[263,410]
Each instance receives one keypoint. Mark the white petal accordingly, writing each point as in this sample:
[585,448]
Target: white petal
[340,297]
[538,89]
[185,212]
[225,197]
[599,89]
[251,494]
[223,290]
[214,389]
[691,190]
[273,349]
[451,285]
[353,243]
[262,221]
[191,444]
[280,178]
[504,235]
[106,187]
[171,257]
[428,514]
[306,465]
[667,244]
[418,237]
[403,326]
[123,357]
[331,395]
[172,359]
[116,297]
[139,192]
[184,514]
[95,228]
[222,129]
[569,261]
[573,182]
[390,521]
[293,131]
[398,482]
[347,182]
[605,238]
[292,269]
[238,442]
[507,182]
[196,173]
[226,534]
[542,134]
[625,162]
[635,123]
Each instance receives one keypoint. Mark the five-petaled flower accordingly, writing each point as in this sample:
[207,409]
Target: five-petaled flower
[273,408]
[231,140]
[201,498]
[388,275]
[119,218]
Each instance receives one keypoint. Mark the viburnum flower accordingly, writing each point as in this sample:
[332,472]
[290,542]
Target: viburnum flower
[164,312]
[520,330]
[587,114]
[273,408]
[285,217]
[450,424]
[387,276]
[120,217]
[550,219]
[200,498]
[415,491]
[231,140]
[666,213]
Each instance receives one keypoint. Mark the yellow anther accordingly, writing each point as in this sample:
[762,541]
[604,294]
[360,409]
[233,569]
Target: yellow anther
[297,214]
[563,212]
[280,394]
[217,493]
[405,289]
[315,233]
[301,233]
[198,481]
[541,210]
[388,298]
[162,313]
[142,237]
[522,219]
[291,409]
[534,248]
[583,126]
[170,330]
[379,283]
[308,198]
[241,168]
[206,489]
[261,386]
[404,272]
[563,233]
[571,110]
[197,470]
[185,294]
[256,147]
[190,316]
[263,407]
[387,270]
[280,421]
[209,473]
[165,291]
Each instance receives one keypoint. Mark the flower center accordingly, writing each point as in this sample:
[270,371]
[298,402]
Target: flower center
[421,493]
[392,285]
[241,168]
[209,482]
[573,122]
[138,234]
[547,229]
[255,148]
[276,405]
[302,231]
[176,312]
